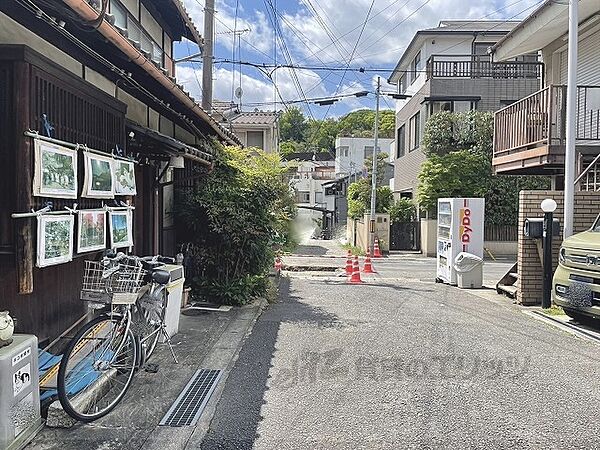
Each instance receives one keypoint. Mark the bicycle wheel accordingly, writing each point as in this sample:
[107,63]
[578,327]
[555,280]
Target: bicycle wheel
[97,368]
[149,317]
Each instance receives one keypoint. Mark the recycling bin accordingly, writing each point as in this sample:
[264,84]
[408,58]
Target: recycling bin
[469,271]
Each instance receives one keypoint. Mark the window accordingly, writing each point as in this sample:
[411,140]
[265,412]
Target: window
[402,84]
[369,151]
[440,106]
[120,14]
[480,51]
[318,197]
[255,139]
[463,106]
[135,33]
[401,142]
[303,197]
[343,151]
[415,131]
[416,67]
[504,103]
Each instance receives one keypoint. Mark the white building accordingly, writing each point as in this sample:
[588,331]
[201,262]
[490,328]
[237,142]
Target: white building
[351,152]
[308,179]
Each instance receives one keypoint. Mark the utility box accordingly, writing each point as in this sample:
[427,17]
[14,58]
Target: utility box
[174,297]
[534,227]
[20,416]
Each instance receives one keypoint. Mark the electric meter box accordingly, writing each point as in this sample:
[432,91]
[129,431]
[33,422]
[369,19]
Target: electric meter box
[19,392]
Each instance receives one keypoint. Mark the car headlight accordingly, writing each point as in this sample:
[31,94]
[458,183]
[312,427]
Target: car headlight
[561,255]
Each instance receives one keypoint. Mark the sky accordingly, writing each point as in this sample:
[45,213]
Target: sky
[319,34]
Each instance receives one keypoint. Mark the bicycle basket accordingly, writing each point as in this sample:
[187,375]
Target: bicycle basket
[117,285]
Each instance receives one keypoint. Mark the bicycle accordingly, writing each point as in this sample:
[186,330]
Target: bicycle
[100,361]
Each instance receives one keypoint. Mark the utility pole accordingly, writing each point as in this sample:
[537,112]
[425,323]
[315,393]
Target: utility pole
[571,119]
[207,55]
[374,172]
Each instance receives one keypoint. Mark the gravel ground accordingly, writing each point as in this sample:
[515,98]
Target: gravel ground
[405,364]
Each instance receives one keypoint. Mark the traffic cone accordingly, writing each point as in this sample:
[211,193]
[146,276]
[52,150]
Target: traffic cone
[355,272]
[368,267]
[349,268]
[376,251]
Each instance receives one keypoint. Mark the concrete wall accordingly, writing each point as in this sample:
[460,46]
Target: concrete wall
[12,32]
[361,228]
[500,248]
[429,237]
[530,267]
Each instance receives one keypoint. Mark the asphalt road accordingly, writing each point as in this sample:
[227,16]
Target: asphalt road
[405,364]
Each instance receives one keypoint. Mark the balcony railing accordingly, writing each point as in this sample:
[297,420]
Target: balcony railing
[470,66]
[531,133]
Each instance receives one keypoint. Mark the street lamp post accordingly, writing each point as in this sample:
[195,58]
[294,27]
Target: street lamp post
[374,172]
[548,206]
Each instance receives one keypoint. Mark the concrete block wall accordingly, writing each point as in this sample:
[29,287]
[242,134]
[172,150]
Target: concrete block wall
[587,207]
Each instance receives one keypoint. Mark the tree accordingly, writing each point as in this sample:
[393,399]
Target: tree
[361,123]
[459,150]
[288,147]
[359,198]
[321,134]
[403,211]
[233,220]
[359,193]
[292,125]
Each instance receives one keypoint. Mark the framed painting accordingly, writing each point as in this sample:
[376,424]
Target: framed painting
[91,230]
[54,239]
[55,171]
[121,234]
[124,175]
[99,181]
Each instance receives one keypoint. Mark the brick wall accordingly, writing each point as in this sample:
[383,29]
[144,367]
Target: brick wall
[530,267]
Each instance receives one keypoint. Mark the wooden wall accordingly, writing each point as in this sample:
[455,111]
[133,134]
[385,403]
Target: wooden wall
[44,301]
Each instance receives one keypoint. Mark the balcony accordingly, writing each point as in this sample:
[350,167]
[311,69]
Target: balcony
[530,135]
[471,66]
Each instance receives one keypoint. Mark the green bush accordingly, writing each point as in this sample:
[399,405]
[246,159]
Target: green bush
[459,164]
[403,211]
[235,220]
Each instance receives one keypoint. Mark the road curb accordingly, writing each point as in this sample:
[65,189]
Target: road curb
[222,355]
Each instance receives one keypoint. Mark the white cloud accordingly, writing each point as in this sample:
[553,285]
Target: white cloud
[260,37]
[256,90]
[391,25]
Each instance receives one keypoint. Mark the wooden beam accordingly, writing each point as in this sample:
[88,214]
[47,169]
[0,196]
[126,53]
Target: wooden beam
[520,156]
[24,239]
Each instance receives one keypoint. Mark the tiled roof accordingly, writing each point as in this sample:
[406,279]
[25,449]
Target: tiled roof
[469,26]
[254,118]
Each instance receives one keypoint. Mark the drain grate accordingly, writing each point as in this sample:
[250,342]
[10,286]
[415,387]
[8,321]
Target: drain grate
[193,399]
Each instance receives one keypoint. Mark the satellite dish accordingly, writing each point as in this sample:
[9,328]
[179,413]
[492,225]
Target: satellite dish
[239,92]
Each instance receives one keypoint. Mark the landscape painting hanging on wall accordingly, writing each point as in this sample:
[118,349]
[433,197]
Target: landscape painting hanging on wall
[91,230]
[55,239]
[124,174]
[99,181]
[55,172]
[120,229]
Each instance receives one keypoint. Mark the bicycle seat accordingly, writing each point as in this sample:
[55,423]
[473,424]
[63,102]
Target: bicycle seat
[150,265]
[161,276]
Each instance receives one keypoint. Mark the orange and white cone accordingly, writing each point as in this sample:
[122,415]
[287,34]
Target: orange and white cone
[349,267]
[376,251]
[355,272]
[368,267]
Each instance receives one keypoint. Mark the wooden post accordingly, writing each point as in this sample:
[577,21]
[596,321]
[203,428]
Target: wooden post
[24,239]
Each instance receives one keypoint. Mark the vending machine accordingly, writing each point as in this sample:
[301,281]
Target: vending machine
[460,229]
